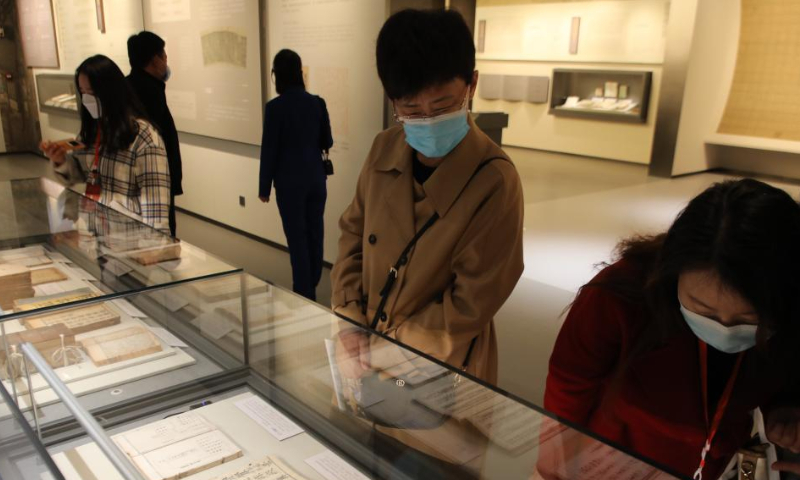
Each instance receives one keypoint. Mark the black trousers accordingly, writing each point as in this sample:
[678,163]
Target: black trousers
[173,226]
[302,208]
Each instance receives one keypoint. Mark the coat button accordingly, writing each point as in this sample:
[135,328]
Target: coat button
[403,260]
[372,239]
[384,317]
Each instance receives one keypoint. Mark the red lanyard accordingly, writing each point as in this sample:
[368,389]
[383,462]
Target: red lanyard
[722,405]
[93,188]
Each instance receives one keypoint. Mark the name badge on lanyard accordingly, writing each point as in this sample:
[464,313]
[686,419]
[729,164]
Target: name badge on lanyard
[93,185]
[722,405]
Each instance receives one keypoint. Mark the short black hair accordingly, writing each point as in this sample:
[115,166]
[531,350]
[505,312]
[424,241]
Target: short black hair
[142,47]
[288,69]
[418,49]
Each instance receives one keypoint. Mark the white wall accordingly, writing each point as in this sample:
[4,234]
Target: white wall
[534,38]
[708,81]
[531,126]
[336,42]
[217,172]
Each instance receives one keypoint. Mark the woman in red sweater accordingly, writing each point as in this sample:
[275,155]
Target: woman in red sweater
[669,349]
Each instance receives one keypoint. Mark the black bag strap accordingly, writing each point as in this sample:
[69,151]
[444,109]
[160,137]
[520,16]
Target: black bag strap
[403,259]
[390,279]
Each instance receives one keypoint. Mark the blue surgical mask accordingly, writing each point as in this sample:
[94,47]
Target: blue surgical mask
[725,339]
[167,74]
[435,137]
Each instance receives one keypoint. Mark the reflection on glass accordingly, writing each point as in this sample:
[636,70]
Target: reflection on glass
[419,418]
[58,248]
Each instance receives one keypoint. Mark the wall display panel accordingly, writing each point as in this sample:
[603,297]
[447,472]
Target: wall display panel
[618,31]
[38,33]
[764,99]
[80,35]
[214,52]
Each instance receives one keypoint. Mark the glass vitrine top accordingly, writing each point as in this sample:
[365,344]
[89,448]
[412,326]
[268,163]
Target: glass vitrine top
[58,247]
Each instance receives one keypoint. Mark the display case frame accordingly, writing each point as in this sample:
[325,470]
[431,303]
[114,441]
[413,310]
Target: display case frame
[583,83]
[56,92]
[251,340]
[272,378]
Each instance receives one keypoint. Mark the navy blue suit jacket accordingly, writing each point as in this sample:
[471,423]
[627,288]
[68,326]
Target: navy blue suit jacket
[296,130]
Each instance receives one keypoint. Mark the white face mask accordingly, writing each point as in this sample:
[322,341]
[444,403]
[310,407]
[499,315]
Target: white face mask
[725,339]
[91,104]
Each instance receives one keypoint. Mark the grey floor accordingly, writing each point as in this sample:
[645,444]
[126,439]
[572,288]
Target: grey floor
[576,210]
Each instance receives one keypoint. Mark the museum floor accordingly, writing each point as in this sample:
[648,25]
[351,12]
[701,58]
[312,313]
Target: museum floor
[576,209]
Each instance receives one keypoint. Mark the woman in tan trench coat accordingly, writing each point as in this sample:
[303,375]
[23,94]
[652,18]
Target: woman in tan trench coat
[437,161]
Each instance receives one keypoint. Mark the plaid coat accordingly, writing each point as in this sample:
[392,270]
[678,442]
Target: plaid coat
[134,181]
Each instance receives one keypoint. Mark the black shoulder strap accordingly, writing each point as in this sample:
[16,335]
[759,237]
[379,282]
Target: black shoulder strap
[403,259]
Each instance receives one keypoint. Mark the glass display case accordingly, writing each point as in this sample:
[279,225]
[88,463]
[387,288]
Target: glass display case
[612,95]
[225,376]
[60,248]
[57,94]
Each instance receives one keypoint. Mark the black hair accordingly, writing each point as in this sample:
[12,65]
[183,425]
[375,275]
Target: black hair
[746,232]
[288,69]
[119,107]
[142,47]
[418,49]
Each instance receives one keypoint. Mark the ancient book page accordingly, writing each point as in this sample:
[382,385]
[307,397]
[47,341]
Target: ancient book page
[120,345]
[177,447]
[47,275]
[162,433]
[29,304]
[187,457]
[267,468]
[79,320]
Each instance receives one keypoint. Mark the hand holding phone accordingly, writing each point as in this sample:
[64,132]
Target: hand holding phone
[70,144]
[57,150]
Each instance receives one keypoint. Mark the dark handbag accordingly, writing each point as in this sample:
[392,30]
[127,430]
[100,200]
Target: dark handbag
[327,163]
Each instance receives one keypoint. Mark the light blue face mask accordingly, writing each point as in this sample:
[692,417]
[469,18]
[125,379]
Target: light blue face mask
[435,137]
[725,339]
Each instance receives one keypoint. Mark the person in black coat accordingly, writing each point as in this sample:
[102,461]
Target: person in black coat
[148,77]
[297,130]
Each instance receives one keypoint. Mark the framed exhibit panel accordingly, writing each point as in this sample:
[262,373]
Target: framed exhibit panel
[214,50]
[57,94]
[38,34]
[606,31]
[89,27]
[609,95]
[229,377]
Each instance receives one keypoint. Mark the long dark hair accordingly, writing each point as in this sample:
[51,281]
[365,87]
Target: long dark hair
[119,107]
[288,70]
[745,231]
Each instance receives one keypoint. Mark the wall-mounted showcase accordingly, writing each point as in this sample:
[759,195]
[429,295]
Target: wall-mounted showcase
[608,95]
[196,370]
[57,94]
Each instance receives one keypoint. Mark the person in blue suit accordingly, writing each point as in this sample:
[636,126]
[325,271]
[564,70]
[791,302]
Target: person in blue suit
[297,130]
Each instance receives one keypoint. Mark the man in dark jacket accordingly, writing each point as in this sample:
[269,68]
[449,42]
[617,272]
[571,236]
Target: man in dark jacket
[148,77]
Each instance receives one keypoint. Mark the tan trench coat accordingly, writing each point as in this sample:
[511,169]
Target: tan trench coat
[461,270]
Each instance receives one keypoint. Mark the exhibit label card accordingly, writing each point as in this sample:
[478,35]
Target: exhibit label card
[167,337]
[330,466]
[273,421]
